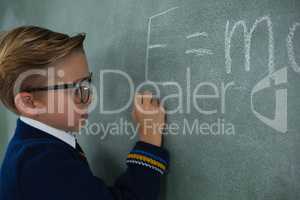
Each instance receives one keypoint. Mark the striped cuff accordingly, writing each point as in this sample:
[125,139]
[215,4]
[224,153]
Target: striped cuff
[149,156]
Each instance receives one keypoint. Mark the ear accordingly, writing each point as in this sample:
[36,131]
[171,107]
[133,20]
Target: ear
[27,105]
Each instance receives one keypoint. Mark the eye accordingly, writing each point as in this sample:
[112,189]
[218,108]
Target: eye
[77,91]
[82,91]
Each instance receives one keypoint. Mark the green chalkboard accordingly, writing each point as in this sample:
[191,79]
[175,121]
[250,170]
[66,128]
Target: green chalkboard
[233,68]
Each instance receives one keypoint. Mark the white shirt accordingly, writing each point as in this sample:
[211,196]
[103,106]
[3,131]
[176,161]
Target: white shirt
[66,137]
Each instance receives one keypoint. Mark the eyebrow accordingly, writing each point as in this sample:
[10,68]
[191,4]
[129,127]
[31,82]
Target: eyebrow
[83,78]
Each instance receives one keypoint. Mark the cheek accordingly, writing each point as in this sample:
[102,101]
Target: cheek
[66,102]
[71,109]
[55,102]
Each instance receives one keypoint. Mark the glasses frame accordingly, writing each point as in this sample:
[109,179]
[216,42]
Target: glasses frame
[76,84]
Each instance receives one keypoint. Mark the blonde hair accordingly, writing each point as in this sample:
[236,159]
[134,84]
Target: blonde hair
[30,47]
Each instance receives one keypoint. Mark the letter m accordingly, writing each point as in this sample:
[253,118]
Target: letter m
[247,42]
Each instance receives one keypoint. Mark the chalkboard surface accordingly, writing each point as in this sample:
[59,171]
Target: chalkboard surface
[233,68]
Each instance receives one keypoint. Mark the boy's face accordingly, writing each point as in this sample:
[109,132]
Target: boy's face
[64,109]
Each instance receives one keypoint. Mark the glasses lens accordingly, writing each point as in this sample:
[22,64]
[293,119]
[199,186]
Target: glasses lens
[77,95]
[85,91]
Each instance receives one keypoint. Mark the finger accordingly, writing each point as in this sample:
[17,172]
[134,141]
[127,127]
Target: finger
[138,99]
[147,96]
[155,101]
[138,102]
[162,108]
[133,115]
[158,101]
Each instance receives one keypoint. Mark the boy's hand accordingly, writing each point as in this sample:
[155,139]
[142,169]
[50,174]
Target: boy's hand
[150,118]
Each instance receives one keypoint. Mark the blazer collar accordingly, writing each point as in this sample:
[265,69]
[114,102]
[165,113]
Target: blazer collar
[29,129]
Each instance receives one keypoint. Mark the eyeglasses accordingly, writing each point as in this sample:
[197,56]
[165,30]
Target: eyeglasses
[82,88]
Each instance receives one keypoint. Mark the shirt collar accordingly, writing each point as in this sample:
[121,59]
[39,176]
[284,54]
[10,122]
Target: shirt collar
[66,137]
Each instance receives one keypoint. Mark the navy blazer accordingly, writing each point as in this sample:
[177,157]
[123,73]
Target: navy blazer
[39,166]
